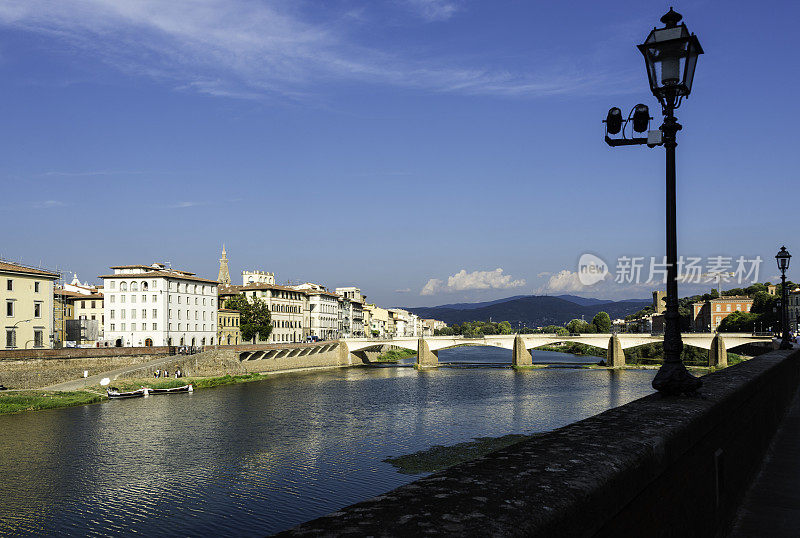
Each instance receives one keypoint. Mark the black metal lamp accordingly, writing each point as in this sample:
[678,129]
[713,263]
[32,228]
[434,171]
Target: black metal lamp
[670,54]
[783,257]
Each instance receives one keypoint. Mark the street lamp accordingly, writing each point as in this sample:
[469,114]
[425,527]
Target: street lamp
[670,56]
[783,257]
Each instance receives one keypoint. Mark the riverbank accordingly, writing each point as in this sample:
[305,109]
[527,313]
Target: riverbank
[33,400]
[395,355]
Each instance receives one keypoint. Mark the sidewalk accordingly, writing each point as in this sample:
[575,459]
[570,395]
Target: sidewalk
[772,506]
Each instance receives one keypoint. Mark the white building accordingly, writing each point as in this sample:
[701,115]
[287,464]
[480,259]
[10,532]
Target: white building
[323,310]
[352,311]
[152,305]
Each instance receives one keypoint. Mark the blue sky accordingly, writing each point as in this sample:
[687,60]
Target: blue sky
[386,144]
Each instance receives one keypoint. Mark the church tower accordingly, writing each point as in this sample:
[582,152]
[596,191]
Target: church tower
[224,277]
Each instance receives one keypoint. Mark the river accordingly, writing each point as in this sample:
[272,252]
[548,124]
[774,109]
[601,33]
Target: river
[256,458]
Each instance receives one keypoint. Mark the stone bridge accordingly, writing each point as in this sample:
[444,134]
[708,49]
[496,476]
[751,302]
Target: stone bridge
[521,344]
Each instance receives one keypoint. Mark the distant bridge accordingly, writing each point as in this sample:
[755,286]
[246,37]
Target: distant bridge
[521,344]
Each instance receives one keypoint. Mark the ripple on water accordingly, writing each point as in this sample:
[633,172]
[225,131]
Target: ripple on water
[256,458]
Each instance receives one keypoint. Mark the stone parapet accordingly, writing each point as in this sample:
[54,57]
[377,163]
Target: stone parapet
[658,466]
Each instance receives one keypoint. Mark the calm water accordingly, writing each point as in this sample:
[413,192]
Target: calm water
[260,457]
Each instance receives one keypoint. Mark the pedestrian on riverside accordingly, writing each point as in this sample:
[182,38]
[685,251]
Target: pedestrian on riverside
[166,373]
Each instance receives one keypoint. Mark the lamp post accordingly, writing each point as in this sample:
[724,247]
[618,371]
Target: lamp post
[783,257]
[670,55]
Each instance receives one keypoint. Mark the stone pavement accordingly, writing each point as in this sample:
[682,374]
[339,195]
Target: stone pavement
[772,505]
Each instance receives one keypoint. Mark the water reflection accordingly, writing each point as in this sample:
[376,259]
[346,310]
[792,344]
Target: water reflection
[257,458]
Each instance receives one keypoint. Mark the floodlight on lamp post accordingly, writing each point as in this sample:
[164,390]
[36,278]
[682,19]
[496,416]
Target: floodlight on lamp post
[670,55]
[783,257]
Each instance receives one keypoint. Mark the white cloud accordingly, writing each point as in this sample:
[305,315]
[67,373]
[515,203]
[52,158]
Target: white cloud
[563,281]
[404,290]
[476,280]
[47,204]
[543,273]
[433,10]
[245,49]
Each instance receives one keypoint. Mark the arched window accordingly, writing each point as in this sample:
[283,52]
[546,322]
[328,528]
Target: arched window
[134,286]
[144,285]
[123,286]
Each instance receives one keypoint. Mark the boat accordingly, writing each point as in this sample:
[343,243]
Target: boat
[173,390]
[114,393]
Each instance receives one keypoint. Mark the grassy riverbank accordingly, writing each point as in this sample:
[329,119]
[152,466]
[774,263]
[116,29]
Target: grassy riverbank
[440,457]
[395,354]
[33,400]
[196,382]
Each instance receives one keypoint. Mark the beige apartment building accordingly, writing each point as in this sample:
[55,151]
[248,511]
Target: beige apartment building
[228,332]
[288,308]
[26,294]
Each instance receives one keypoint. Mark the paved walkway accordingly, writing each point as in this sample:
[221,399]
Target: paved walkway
[79,384]
[772,506]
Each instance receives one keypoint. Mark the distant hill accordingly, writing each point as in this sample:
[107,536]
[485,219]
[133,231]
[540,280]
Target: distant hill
[472,306]
[583,301]
[531,310]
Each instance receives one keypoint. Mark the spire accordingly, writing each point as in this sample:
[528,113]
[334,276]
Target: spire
[224,277]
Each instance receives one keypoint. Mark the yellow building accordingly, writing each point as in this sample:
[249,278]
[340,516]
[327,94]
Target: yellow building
[63,311]
[26,294]
[228,327]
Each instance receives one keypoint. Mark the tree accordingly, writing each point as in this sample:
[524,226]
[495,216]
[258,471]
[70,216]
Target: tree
[738,322]
[504,327]
[577,326]
[602,322]
[254,317]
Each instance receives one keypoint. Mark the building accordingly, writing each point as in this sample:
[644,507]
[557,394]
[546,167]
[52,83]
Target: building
[399,321]
[287,306]
[707,315]
[26,294]
[257,277]
[62,314]
[378,321]
[352,311]
[430,326]
[793,305]
[224,277]
[659,302]
[228,333]
[153,305]
[323,314]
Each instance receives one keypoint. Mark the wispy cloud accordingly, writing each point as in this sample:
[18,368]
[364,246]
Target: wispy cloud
[433,10]
[243,49]
[403,290]
[87,173]
[47,204]
[476,280]
[185,204]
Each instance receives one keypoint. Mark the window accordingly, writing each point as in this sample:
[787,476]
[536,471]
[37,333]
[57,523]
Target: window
[122,326]
[83,304]
[111,298]
[133,313]
[155,326]
[122,298]
[195,315]
[155,284]
[10,309]
[154,298]
[113,327]
[123,286]
[111,315]
[155,313]
[112,284]
[133,298]
[144,326]
[204,301]
[144,313]
[144,298]
[10,285]
[11,338]
[196,301]
[179,299]
[169,299]
[728,308]
[37,310]
[38,338]
[134,286]
[36,287]
[122,314]
[144,286]
[179,314]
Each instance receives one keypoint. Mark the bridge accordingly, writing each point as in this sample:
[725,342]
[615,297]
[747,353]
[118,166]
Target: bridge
[520,345]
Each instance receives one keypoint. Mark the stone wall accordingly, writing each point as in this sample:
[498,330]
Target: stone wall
[224,361]
[658,466]
[38,373]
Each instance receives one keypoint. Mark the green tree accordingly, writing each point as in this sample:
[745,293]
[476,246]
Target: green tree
[504,327]
[254,317]
[602,322]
